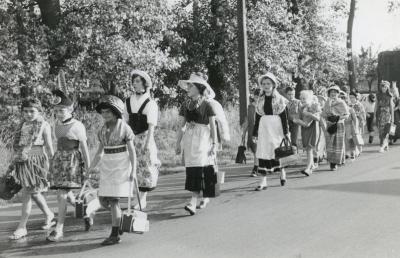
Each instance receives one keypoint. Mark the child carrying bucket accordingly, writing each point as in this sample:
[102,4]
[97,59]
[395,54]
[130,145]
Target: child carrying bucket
[116,161]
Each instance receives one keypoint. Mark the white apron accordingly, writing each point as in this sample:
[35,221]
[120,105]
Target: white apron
[196,145]
[270,136]
[115,170]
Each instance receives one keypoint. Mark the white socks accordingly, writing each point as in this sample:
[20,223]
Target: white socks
[263,181]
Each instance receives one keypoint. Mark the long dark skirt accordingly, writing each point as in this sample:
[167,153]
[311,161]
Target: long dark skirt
[202,179]
[268,165]
[397,123]
[370,122]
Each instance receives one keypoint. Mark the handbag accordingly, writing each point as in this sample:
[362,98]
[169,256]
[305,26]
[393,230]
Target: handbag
[332,129]
[241,156]
[358,139]
[134,221]
[291,160]
[220,174]
[333,119]
[392,130]
[285,149]
[9,187]
[88,196]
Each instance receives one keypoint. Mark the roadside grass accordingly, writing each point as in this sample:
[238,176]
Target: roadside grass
[165,137]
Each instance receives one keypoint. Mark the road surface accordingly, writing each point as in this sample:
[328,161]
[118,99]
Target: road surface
[353,212]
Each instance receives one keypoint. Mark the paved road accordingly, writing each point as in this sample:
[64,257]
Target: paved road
[353,212]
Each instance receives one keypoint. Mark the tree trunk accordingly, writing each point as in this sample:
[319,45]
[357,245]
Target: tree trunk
[243,61]
[216,76]
[350,61]
[370,85]
[50,11]
[21,44]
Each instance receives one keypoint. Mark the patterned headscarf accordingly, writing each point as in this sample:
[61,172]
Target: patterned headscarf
[279,103]
[336,107]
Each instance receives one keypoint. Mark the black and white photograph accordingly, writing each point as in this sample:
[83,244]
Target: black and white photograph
[200,128]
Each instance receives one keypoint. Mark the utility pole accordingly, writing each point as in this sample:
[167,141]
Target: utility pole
[243,61]
[349,45]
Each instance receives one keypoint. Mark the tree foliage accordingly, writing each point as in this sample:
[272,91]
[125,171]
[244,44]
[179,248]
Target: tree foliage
[97,43]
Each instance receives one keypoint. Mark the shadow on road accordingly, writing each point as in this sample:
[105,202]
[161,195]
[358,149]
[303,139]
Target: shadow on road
[44,248]
[382,187]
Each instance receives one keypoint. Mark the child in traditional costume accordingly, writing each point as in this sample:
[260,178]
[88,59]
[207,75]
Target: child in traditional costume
[71,159]
[309,117]
[198,140]
[31,163]
[142,115]
[116,161]
[320,150]
[351,129]
[354,102]
[335,113]
[270,129]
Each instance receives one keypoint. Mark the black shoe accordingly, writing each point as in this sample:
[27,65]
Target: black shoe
[88,224]
[283,181]
[254,172]
[371,139]
[190,209]
[260,188]
[333,166]
[112,240]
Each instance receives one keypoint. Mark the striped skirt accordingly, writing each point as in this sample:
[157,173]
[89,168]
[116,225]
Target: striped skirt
[335,145]
[32,173]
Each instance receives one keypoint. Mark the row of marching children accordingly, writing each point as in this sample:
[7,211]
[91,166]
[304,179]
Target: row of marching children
[126,153]
[330,122]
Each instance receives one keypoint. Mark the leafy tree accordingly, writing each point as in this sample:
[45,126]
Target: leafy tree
[92,41]
[367,64]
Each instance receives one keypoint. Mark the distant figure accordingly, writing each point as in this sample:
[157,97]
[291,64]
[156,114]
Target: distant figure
[293,113]
[248,128]
[384,115]
[396,113]
[310,112]
[369,106]
[351,129]
[335,112]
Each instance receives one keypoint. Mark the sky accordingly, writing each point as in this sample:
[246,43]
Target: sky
[374,26]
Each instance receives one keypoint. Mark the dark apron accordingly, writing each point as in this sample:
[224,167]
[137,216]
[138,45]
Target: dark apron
[137,121]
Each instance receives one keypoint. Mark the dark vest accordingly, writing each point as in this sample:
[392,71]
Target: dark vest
[137,121]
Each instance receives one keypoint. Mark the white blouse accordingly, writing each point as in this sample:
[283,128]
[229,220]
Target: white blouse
[151,109]
[369,106]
